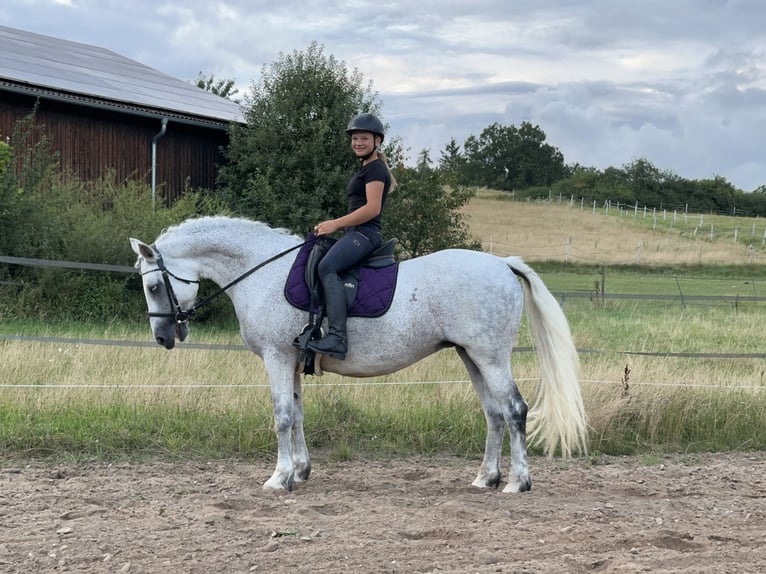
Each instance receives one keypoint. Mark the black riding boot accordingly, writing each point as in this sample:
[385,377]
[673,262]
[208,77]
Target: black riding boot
[334,342]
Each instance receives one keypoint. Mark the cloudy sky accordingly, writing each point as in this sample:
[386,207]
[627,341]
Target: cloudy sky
[679,82]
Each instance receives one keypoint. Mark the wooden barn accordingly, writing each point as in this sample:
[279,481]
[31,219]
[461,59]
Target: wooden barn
[104,112]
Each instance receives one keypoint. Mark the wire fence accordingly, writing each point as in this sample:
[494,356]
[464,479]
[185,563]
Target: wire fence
[354,382]
[712,226]
[568,252]
[666,210]
[561,295]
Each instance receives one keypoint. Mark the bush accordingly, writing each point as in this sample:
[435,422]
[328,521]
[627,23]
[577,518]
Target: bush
[46,214]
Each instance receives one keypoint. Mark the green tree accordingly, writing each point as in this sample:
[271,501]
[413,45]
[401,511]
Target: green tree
[425,215]
[451,160]
[715,195]
[424,160]
[223,88]
[289,165]
[645,181]
[506,157]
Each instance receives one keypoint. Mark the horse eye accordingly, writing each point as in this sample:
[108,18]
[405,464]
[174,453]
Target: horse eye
[153,288]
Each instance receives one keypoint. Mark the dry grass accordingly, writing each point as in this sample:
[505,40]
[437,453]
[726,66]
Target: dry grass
[218,403]
[556,231]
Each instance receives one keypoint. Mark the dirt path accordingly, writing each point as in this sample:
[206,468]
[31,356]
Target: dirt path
[693,514]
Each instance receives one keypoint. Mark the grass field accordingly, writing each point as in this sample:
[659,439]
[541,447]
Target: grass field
[565,232]
[644,390]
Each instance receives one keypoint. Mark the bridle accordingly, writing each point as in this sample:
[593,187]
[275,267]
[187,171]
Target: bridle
[179,315]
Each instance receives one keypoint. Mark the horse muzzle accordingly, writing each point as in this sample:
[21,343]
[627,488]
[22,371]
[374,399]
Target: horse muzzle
[166,335]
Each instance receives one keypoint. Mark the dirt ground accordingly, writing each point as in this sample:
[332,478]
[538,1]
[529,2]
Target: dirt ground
[702,513]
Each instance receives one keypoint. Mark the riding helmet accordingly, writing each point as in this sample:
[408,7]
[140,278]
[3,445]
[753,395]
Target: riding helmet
[366,122]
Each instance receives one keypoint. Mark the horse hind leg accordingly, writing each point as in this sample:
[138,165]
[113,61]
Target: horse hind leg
[503,406]
[518,480]
[489,475]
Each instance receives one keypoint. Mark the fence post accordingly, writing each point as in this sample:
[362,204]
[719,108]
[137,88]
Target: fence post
[678,284]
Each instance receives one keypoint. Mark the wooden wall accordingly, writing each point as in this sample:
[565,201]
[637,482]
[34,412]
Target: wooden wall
[92,141]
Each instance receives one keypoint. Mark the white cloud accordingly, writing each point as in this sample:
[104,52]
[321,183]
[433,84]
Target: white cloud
[681,83]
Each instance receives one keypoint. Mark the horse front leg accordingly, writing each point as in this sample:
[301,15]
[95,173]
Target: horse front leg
[301,460]
[282,381]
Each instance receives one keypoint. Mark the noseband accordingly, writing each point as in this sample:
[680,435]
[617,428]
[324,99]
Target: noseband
[179,315]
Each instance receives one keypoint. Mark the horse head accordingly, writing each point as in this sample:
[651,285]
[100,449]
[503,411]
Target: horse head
[170,288]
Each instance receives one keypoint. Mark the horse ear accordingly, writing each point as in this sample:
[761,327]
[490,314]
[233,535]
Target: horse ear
[142,249]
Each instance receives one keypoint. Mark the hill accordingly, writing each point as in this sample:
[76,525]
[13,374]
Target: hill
[564,232]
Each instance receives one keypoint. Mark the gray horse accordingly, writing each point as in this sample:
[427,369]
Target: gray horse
[467,300]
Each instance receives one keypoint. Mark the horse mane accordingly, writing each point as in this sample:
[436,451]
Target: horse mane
[206,222]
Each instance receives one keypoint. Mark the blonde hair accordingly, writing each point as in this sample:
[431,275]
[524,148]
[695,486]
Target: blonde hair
[382,156]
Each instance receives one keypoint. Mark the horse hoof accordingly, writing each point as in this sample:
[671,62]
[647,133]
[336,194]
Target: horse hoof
[492,481]
[277,483]
[520,485]
[303,474]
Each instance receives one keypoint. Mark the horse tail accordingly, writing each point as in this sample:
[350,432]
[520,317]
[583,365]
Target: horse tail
[558,416]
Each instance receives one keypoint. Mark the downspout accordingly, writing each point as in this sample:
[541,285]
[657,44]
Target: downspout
[157,136]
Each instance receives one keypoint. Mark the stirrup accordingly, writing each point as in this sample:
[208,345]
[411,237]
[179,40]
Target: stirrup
[340,355]
[311,332]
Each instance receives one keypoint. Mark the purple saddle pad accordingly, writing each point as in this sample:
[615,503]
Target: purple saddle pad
[375,290]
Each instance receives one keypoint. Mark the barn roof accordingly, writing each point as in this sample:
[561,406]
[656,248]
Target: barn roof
[91,76]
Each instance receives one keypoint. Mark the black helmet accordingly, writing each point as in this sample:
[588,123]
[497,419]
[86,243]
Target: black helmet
[366,123]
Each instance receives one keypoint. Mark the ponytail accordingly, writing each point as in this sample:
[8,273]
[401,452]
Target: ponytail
[382,156]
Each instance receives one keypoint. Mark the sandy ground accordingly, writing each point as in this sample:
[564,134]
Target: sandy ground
[702,513]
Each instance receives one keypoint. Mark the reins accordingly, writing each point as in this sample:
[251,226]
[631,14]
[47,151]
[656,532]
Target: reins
[182,316]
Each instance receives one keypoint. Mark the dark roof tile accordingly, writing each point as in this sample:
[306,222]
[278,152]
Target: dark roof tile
[41,64]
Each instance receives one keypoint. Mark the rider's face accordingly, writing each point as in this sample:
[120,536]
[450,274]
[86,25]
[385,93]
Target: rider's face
[363,143]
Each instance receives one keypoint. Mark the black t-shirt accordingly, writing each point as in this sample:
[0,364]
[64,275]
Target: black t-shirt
[356,191]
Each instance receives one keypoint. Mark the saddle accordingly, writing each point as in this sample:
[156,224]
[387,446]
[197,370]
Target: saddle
[369,288]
